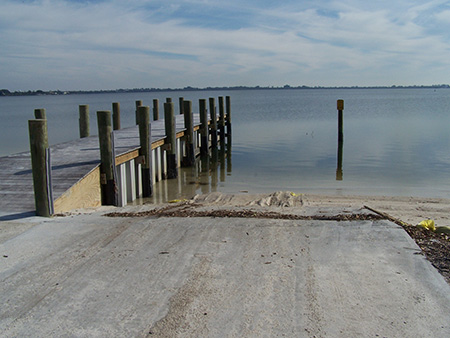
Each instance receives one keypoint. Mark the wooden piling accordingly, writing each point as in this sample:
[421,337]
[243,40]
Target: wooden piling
[116,115]
[155,110]
[213,125]
[145,150]
[340,108]
[189,160]
[107,168]
[170,142]
[38,150]
[180,101]
[221,118]
[39,114]
[204,139]
[138,104]
[84,120]
[168,99]
[228,116]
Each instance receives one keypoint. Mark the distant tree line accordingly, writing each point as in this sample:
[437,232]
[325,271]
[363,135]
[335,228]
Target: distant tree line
[6,92]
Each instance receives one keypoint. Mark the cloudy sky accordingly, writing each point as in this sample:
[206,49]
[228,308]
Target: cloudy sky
[80,44]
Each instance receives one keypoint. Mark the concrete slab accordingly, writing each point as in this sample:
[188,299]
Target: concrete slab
[93,276]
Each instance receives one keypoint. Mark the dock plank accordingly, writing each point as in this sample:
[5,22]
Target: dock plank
[71,162]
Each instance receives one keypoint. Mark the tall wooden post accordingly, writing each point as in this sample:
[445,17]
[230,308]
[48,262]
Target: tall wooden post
[228,117]
[155,110]
[221,118]
[38,150]
[180,101]
[168,99]
[138,104]
[84,120]
[340,107]
[189,160]
[39,114]
[204,149]
[116,115]
[171,140]
[107,177]
[213,125]
[145,150]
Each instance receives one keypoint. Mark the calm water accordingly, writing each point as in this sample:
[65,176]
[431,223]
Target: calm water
[396,141]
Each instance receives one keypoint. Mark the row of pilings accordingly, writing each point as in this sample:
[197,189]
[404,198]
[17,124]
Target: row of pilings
[157,160]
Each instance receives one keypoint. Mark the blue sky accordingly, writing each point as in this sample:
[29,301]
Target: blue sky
[80,44]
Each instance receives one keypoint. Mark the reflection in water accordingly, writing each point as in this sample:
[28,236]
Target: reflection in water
[203,177]
[339,172]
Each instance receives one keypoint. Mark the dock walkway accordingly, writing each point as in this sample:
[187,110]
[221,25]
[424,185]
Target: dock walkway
[71,163]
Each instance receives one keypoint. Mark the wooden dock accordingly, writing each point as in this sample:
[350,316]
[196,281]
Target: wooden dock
[75,169]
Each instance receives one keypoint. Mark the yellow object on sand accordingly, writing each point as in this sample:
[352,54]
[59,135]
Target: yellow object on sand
[178,201]
[427,224]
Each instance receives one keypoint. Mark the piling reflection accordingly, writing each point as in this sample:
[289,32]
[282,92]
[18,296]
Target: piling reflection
[205,176]
[339,172]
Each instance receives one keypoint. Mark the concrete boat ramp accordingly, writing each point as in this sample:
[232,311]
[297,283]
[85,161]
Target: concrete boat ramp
[153,273]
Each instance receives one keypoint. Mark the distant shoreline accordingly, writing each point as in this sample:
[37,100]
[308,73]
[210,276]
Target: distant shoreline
[6,92]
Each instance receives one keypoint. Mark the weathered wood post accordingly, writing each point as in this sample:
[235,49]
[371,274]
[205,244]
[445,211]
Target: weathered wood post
[168,99]
[171,140]
[189,160]
[84,120]
[145,150]
[213,125]
[107,168]
[228,117]
[221,118]
[40,167]
[155,110]
[204,149]
[340,107]
[180,101]
[116,115]
[138,104]
[39,114]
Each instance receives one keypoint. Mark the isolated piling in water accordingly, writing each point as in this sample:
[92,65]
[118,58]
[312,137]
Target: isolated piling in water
[116,115]
[169,120]
[228,116]
[107,177]
[155,110]
[84,120]
[38,149]
[213,125]
[180,101]
[189,160]
[204,149]
[138,104]
[145,150]
[39,114]
[221,118]
[340,108]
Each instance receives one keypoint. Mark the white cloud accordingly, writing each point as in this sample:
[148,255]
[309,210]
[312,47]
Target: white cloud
[60,44]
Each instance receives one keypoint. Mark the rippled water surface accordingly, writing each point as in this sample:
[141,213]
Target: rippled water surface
[396,141]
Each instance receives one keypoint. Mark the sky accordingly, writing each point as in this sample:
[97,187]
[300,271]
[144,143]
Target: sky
[91,45]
